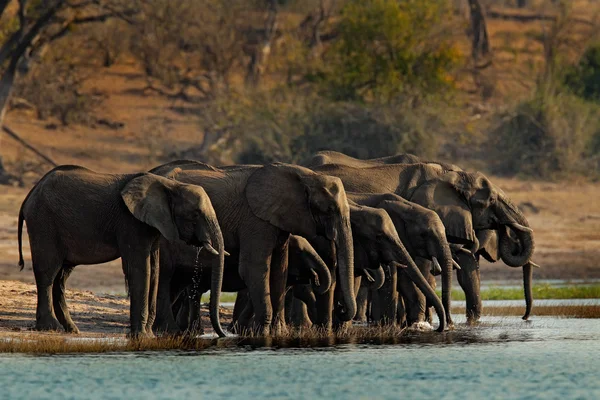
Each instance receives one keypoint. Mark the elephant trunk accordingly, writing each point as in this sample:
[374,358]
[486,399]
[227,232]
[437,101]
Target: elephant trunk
[216,282]
[378,278]
[345,262]
[445,256]
[419,280]
[519,253]
[322,280]
[527,278]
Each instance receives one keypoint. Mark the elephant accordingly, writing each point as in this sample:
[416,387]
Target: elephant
[424,236]
[258,207]
[185,282]
[334,157]
[465,202]
[77,216]
[377,248]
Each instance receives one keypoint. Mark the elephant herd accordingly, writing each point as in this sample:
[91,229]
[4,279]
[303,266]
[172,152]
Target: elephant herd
[335,240]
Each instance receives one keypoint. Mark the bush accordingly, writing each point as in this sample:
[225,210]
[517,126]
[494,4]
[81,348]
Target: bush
[584,78]
[388,47]
[282,126]
[550,135]
[55,88]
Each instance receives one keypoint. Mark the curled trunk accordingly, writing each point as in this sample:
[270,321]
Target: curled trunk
[519,253]
[377,278]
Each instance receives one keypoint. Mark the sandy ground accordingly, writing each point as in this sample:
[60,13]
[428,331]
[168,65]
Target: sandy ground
[94,314]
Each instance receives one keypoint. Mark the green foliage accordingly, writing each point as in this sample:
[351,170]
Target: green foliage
[549,135]
[390,47]
[584,78]
[543,291]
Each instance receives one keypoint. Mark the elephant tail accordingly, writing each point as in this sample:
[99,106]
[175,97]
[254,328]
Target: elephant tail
[20,237]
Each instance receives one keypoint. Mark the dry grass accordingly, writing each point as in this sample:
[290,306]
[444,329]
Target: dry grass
[551,311]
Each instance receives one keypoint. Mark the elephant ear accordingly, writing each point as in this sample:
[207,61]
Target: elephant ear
[277,193]
[488,244]
[448,202]
[148,198]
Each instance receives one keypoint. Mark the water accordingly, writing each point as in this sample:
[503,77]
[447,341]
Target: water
[502,358]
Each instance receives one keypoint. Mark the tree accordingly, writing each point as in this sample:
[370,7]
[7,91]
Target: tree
[480,46]
[35,25]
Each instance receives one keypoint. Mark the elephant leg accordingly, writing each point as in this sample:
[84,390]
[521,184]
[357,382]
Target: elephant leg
[45,269]
[153,292]
[325,303]
[238,307]
[136,263]
[305,305]
[387,297]
[181,310]
[195,313]
[414,300]
[401,313]
[361,304]
[244,325]
[278,284]
[60,303]
[469,279]
[289,303]
[255,261]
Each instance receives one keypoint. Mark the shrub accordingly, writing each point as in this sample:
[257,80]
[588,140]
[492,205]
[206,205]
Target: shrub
[584,78]
[283,126]
[550,135]
[388,47]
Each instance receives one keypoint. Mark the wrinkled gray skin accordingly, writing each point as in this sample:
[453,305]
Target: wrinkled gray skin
[334,157]
[465,202]
[77,216]
[423,233]
[257,208]
[186,283]
[511,246]
[376,243]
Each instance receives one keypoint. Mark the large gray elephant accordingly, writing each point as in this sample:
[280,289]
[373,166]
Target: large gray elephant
[77,216]
[423,233]
[258,207]
[465,202]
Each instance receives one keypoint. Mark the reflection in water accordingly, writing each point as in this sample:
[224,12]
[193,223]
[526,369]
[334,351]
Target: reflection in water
[499,358]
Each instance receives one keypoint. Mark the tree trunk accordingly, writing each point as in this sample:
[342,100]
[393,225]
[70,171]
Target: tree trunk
[480,45]
[260,56]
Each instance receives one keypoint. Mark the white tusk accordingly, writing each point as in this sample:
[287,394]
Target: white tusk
[436,265]
[534,265]
[368,276]
[456,265]
[226,253]
[209,248]
[464,250]
[520,227]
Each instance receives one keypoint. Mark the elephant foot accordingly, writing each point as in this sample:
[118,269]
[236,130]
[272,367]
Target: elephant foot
[165,328]
[49,323]
[140,335]
[72,328]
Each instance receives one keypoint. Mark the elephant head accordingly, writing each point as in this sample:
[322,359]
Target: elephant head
[467,202]
[180,212]
[376,237]
[306,265]
[304,203]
